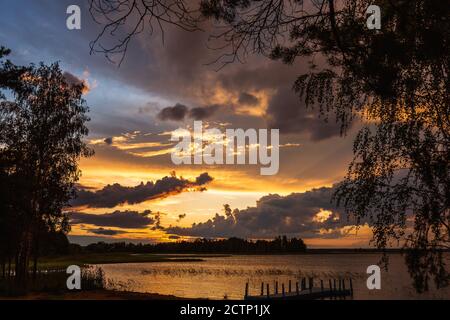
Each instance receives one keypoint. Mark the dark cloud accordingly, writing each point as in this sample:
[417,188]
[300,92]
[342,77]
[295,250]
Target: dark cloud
[248,99]
[201,113]
[181,217]
[301,214]
[157,225]
[106,232]
[177,74]
[118,219]
[287,113]
[176,113]
[179,112]
[116,194]
[203,178]
[82,186]
[174,237]
[73,80]
[108,141]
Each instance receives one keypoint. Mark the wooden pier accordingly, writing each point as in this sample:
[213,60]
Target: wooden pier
[304,290]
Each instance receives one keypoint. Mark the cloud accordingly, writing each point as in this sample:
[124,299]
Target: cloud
[178,75]
[108,140]
[248,98]
[135,143]
[203,178]
[179,112]
[201,113]
[176,113]
[287,113]
[73,80]
[118,219]
[307,214]
[106,232]
[234,86]
[157,225]
[116,194]
[181,217]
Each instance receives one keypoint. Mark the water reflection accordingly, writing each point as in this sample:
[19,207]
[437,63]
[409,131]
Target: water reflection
[225,277]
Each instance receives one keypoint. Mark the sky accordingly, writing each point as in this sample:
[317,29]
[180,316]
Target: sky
[130,190]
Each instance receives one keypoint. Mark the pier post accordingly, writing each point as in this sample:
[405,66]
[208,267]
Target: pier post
[296,287]
[334,284]
[321,285]
[262,288]
[343,284]
[268,291]
[246,290]
[290,286]
[276,287]
[351,286]
[282,289]
[329,282]
[311,284]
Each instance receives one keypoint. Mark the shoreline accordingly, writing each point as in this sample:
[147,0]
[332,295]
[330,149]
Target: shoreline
[57,262]
[99,294]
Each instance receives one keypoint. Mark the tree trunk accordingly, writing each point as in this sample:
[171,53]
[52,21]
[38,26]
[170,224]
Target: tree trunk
[9,267]
[35,261]
[22,260]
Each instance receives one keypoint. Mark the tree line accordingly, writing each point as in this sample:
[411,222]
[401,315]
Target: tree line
[230,245]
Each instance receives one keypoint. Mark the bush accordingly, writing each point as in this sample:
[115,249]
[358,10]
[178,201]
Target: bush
[54,281]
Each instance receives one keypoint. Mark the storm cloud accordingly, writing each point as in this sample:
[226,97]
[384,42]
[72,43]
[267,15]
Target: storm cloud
[307,214]
[180,112]
[248,98]
[73,80]
[177,74]
[118,219]
[116,194]
[201,113]
[287,112]
[106,232]
[176,113]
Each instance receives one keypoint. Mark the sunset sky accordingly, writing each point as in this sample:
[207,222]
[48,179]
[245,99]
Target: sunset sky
[131,137]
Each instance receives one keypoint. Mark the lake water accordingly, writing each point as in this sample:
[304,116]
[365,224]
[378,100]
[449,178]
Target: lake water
[225,277]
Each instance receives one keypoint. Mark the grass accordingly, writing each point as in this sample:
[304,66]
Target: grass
[50,281]
[52,276]
[54,281]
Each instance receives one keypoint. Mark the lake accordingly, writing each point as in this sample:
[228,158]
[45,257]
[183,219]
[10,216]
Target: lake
[225,277]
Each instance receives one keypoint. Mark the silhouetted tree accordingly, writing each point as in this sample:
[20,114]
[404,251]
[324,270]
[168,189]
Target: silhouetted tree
[11,184]
[41,139]
[396,78]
